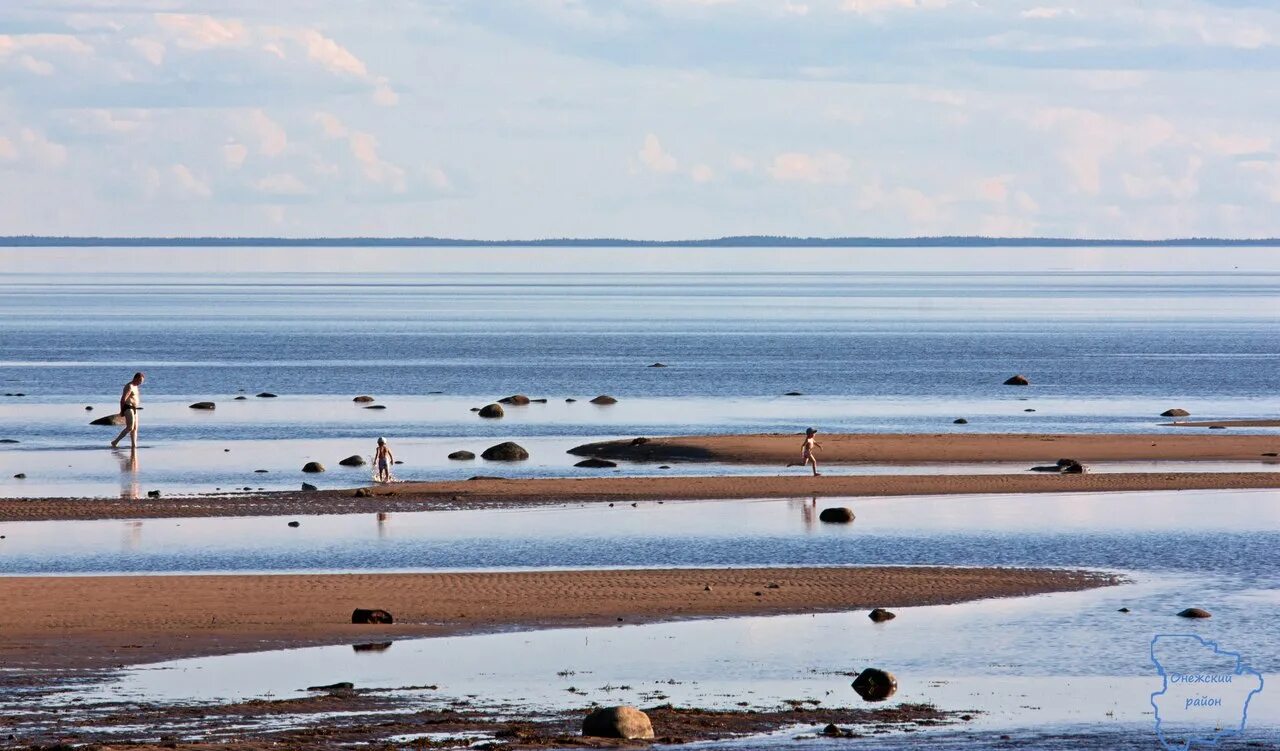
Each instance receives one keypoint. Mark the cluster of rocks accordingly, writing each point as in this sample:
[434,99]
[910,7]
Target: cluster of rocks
[495,411]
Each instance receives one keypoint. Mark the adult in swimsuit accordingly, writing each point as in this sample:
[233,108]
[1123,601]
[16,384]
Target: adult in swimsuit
[130,401]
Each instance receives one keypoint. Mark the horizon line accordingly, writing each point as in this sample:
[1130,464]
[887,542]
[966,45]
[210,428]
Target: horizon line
[728,241]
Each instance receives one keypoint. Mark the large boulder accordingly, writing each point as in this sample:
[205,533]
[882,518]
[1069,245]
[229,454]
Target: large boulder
[491,411]
[1018,380]
[518,400]
[836,515]
[874,684]
[109,420]
[1175,412]
[505,452]
[203,405]
[355,460]
[617,722]
[312,467]
[604,399]
[462,456]
[362,615]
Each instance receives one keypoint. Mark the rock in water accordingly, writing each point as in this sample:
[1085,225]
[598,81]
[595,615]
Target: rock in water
[1018,380]
[363,399]
[658,365]
[1175,412]
[880,615]
[505,452]
[241,398]
[312,467]
[375,406]
[344,686]
[354,460]
[596,464]
[20,476]
[462,456]
[203,405]
[491,411]
[362,615]
[295,525]
[1195,613]
[836,515]
[617,722]
[309,488]
[517,400]
[109,420]
[266,395]
[604,399]
[960,421]
[874,684]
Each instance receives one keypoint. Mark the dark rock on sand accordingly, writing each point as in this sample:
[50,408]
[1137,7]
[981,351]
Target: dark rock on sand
[1047,468]
[505,452]
[355,460]
[474,478]
[833,730]
[1018,380]
[491,411]
[1195,613]
[960,421]
[604,399]
[109,420]
[836,515]
[153,493]
[313,467]
[309,488]
[380,646]
[344,686]
[462,456]
[874,684]
[617,722]
[363,399]
[594,463]
[266,395]
[362,615]
[517,400]
[363,493]
[295,524]
[1175,412]
[880,615]
[1071,467]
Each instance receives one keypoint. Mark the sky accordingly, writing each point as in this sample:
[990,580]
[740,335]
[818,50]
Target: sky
[658,119]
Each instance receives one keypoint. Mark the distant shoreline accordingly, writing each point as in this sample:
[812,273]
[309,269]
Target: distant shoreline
[741,241]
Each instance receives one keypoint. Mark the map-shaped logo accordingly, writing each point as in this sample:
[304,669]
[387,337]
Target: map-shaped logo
[1206,692]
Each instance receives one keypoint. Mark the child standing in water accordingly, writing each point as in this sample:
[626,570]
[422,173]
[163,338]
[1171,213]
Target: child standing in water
[382,461]
[806,451]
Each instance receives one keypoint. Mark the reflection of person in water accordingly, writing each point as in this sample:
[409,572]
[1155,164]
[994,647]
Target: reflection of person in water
[130,489]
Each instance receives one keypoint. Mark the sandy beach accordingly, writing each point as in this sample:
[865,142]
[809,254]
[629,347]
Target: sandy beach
[85,622]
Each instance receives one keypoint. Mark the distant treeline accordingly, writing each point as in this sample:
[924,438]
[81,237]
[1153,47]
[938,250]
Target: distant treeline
[741,241]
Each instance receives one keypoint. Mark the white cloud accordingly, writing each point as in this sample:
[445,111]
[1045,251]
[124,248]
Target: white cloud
[234,154]
[270,135]
[189,183]
[740,163]
[202,32]
[869,7]
[702,173]
[282,184]
[823,167]
[330,125]
[654,157]
[151,50]
[1045,13]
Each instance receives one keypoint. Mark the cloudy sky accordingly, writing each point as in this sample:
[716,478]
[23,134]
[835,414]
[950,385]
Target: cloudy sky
[640,118]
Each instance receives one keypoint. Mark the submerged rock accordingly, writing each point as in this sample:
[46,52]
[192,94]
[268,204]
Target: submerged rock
[20,476]
[241,398]
[657,365]
[617,722]
[604,399]
[596,464]
[505,452]
[355,460]
[836,515]
[491,411]
[309,488]
[313,467]
[1195,613]
[109,420]
[295,525]
[880,615]
[363,615]
[363,399]
[343,686]
[874,684]
[960,421]
[517,400]
[1018,380]
[266,395]
[375,406]
[462,456]
[203,405]
[1175,412]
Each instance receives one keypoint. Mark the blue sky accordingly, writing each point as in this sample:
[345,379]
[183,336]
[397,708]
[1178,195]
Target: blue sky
[642,118]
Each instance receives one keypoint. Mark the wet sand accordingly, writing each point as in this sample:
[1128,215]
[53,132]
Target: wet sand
[1226,424]
[494,492]
[101,622]
[949,447]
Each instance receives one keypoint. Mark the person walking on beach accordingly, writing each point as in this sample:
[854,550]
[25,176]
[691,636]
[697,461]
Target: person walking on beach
[382,461]
[806,450]
[130,402]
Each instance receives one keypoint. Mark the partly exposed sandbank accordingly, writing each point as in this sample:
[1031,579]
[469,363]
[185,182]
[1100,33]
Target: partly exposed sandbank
[87,622]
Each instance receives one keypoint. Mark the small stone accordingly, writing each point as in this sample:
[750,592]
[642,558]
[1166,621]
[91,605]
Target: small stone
[375,406]
[295,524]
[1195,613]
[604,399]
[874,684]
[836,515]
[1123,610]
[344,686]
[462,456]
[1018,380]
[261,471]
[657,365]
[1217,427]
[153,493]
[491,411]
[707,588]
[20,476]
[362,399]
[363,615]
[309,488]
[617,722]
[793,393]
[960,421]
[1028,409]
[362,493]
[880,615]
[266,395]
[570,400]
[88,409]
[241,398]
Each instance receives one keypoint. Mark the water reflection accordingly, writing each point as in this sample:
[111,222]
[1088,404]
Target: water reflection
[130,485]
